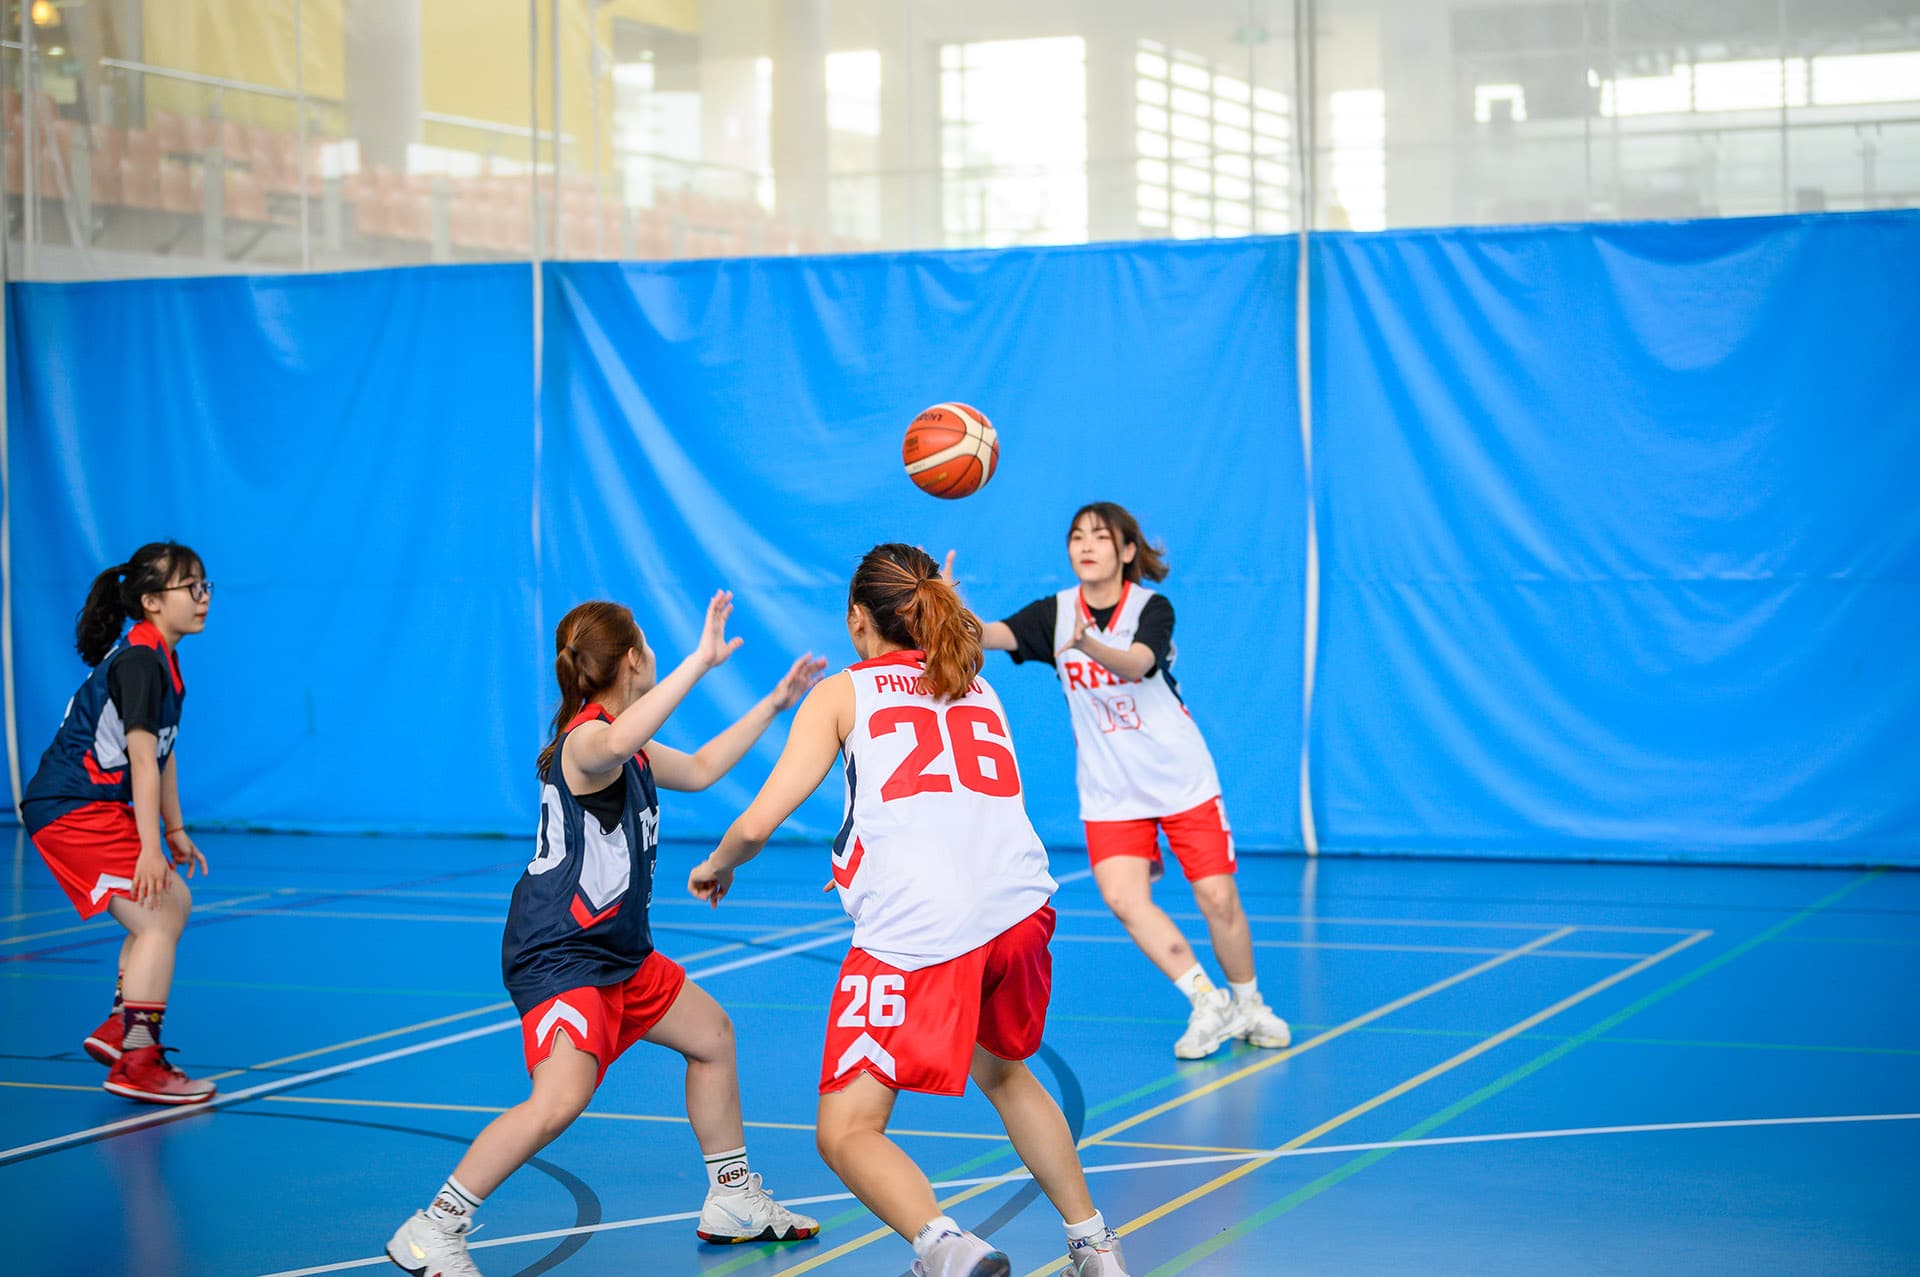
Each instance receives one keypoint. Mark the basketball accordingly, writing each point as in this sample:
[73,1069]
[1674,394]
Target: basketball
[950,451]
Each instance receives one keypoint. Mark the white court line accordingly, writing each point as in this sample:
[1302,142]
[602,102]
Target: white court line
[1463,923]
[1380,948]
[1163,1163]
[104,921]
[499,919]
[300,1079]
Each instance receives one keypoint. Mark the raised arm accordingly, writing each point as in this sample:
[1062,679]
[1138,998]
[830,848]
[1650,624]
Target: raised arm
[600,748]
[689,773]
[995,636]
[819,727]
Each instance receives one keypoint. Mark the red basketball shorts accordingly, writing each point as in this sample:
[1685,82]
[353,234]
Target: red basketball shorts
[604,1021]
[1201,840]
[92,851]
[916,1030]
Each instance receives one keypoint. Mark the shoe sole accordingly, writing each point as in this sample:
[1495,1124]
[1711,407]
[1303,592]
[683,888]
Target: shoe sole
[1201,1055]
[421,1271]
[101,1051]
[1269,1044]
[767,1234]
[152,1098]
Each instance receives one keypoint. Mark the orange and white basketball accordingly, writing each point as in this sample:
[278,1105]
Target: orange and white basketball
[951,450]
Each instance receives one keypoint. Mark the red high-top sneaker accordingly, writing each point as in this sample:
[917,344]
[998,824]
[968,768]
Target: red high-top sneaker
[103,1044]
[144,1074]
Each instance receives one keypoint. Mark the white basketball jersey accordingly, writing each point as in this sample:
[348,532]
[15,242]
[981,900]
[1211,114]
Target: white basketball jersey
[936,856]
[1140,754]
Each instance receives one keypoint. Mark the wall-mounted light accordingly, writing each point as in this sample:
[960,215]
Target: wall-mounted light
[43,13]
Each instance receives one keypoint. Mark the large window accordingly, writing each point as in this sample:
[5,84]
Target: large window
[1013,142]
[854,189]
[1215,152]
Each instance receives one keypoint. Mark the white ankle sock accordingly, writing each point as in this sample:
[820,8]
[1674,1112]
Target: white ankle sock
[936,1228]
[1245,990]
[1193,982]
[1091,1228]
[727,1172]
[453,1203]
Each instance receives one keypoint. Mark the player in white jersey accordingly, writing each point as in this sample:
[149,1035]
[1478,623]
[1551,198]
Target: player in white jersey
[1143,769]
[947,884]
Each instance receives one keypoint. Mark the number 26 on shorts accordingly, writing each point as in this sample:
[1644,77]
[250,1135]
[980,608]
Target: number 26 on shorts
[880,1002]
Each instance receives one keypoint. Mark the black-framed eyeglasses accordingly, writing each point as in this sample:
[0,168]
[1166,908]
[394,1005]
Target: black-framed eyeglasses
[198,591]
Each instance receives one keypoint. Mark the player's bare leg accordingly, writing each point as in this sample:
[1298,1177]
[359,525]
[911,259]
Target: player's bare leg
[851,1134]
[141,1071]
[737,1208]
[1124,885]
[1219,901]
[1037,1128]
[563,1086]
[700,1030]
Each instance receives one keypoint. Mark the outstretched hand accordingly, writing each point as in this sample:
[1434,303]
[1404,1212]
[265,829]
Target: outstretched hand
[806,671]
[710,884]
[946,569]
[715,647]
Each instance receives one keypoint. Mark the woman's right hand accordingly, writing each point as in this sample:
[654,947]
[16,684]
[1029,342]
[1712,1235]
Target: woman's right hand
[151,877]
[710,883]
[946,569]
[715,647]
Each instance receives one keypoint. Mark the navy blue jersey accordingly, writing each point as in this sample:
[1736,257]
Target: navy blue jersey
[579,912]
[137,685]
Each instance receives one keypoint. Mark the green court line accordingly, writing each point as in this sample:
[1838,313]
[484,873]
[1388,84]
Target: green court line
[1426,1126]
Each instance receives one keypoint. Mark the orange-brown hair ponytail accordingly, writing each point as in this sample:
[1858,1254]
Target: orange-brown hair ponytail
[901,589]
[588,646]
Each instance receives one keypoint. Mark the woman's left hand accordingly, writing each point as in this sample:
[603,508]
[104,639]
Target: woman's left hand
[184,854]
[805,673]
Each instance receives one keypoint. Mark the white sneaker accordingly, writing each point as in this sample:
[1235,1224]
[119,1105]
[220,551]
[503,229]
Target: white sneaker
[1096,1256]
[1259,1026]
[751,1215]
[1214,1020]
[427,1248]
[963,1255]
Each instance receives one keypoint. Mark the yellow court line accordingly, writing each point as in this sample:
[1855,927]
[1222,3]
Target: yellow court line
[372,1037]
[1338,1030]
[847,1248]
[1184,1148]
[1419,1079]
[49,1086]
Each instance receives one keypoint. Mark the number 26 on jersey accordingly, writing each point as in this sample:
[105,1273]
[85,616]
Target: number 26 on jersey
[972,736]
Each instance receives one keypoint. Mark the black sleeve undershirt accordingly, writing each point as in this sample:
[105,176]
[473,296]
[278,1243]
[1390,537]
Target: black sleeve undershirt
[1033,627]
[137,685]
[1156,630]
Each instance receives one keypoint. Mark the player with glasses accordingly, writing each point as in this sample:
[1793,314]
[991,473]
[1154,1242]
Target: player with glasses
[104,807]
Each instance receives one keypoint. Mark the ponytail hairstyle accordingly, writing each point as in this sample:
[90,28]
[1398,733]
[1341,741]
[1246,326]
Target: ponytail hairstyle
[1149,561]
[114,598]
[901,589]
[588,646]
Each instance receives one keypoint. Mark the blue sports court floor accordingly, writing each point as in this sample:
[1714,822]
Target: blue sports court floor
[1497,1068]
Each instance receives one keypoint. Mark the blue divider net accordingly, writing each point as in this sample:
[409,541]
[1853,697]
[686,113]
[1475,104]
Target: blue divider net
[351,456]
[1620,549]
[1618,556]
[738,424]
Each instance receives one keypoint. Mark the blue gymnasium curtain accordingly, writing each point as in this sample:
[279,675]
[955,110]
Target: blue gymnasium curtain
[738,424]
[351,455]
[1621,553]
